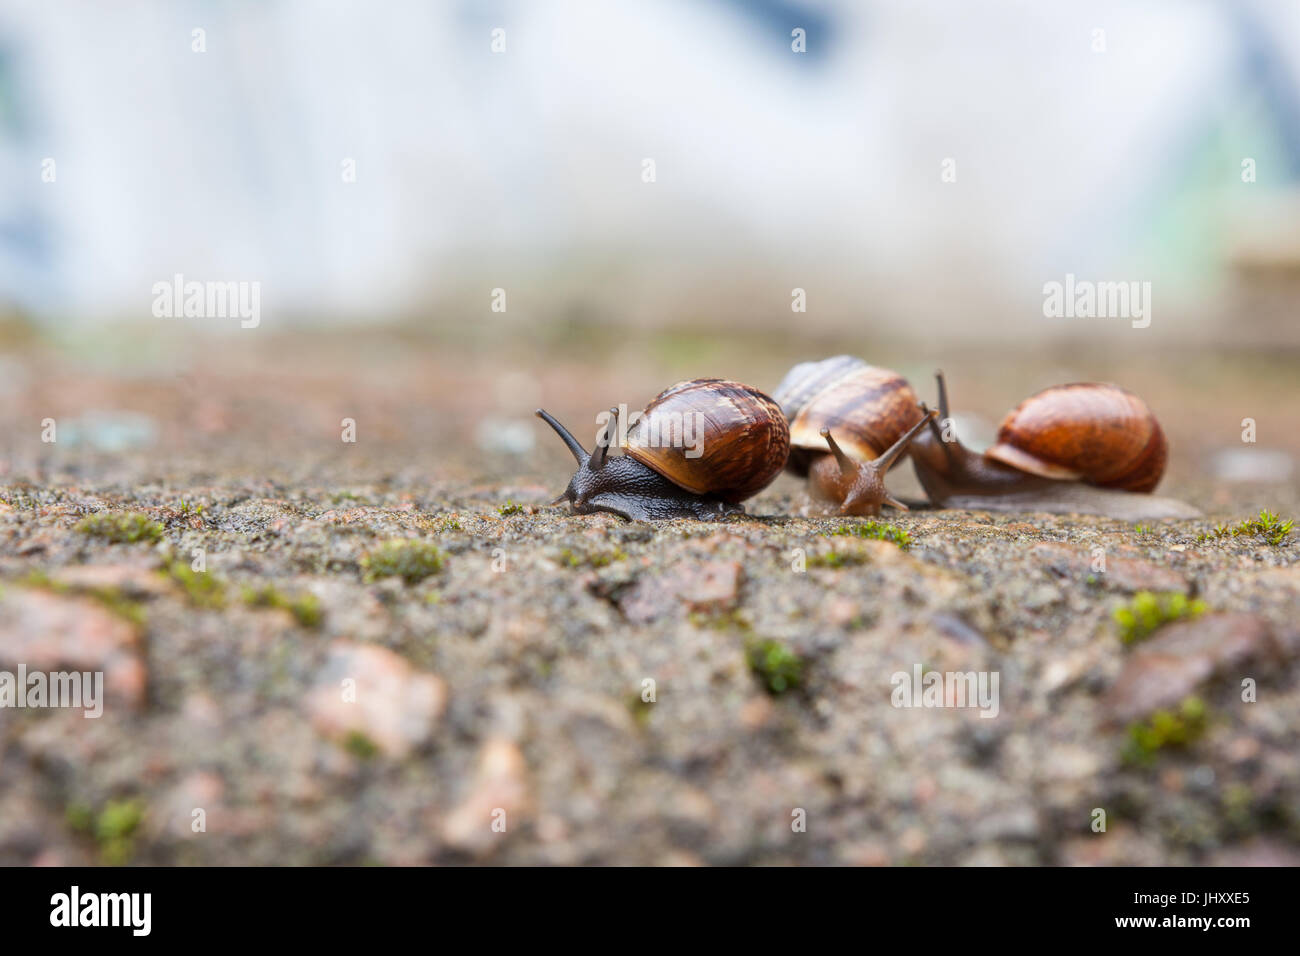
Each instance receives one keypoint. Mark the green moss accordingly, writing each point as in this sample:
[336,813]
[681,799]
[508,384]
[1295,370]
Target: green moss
[121,527]
[591,559]
[115,828]
[187,509]
[510,508]
[41,579]
[79,817]
[838,559]
[304,607]
[639,708]
[734,619]
[1267,526]
[1237,801]
[1147,612]
[777,666]
[1163,730]
[347,497]
[359,745]
[128,609]
[202,588]
[410,560]
[878,530]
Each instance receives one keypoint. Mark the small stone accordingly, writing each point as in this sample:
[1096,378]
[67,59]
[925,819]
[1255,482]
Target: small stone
[201,790]
[1064,672]
[713,586]
[1043,596]
[956,629]
[48,632]
[842,611]
[389,703]
[1131,574]
[757,711]
[497,800]
[912,841]
[1172,664]
[703,587]
[1242,749]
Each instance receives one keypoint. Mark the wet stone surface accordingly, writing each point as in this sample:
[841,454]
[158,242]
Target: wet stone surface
[535,687]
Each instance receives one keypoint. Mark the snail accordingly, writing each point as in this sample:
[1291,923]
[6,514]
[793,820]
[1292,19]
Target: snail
[699,449]
[850,422]
[1084,448]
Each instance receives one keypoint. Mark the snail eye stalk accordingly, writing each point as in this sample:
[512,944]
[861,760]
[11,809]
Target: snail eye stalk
[575,446]
[598,456]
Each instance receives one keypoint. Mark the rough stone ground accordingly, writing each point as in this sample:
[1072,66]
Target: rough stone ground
[512,678]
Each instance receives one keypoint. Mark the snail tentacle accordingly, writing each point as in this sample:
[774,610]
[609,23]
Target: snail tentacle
[575,446]
[598,456]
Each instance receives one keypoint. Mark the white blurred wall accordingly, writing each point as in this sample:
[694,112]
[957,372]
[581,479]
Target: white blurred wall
[473,165]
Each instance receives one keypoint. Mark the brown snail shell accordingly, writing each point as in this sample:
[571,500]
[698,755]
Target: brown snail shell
[1092,431]
[744,440]
[867,408]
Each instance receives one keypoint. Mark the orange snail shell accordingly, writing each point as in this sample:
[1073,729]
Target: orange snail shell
[744,440]
[1098,432]
[866,408]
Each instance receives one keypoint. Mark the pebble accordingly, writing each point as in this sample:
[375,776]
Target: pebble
[500,785]
[395,707]
[48,632]
[704,587]
[1173,663]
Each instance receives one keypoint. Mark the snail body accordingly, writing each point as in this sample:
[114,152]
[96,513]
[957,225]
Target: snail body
[1084,448]
[850,422]
[700,448]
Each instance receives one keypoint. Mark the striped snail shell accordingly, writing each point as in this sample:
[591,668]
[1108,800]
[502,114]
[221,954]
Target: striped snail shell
[739,431]
[1092,431]
[867,408]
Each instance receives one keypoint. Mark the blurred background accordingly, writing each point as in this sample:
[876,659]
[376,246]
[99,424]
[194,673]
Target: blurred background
[456,211]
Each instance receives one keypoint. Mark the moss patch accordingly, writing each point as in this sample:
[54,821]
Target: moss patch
[304,607]
[410,560]
[591,559]
[1163,730]
[113,828]
[838,559]
[1147,612]
[1267,526]
[202,588]
[121,527]
[878,530]
[774,663]
[360,746]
